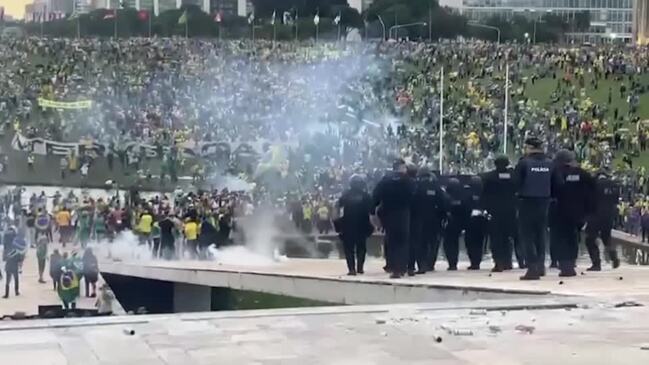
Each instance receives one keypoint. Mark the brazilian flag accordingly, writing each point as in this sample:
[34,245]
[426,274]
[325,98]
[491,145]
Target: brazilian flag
[69,287]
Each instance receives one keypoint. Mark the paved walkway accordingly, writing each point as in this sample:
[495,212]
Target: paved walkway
[397,334]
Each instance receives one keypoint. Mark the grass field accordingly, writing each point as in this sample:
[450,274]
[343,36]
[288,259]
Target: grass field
[542,91]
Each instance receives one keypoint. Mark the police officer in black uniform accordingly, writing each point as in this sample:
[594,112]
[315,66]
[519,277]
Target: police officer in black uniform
[575,201]
[600,223]
[427,209]
[392,196]
[354,225]
[476,228]
[499,199]
[456,221]
[535,178]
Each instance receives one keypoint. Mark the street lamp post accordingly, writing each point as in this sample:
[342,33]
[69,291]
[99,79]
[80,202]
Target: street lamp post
[478,25]
[397,27]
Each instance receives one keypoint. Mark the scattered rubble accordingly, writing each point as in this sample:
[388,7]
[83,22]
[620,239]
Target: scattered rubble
[380,321]
[478,312]
[457,331]
[644,347]
[525,329]
[495,329]
[628,303]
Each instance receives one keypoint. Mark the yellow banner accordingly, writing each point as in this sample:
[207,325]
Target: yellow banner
[45,103]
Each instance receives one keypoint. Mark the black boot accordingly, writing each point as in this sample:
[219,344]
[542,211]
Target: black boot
[497,268]
[554,265]
[597,266]
[541,270]
[614,259]
[567,269]
[532,273]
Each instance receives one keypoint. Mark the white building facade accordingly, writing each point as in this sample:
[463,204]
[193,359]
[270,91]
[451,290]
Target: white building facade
[610,20]
[229,7]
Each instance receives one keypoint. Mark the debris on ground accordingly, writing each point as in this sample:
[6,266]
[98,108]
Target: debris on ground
[478,312]
[644,347]
[457,331]
[438,339]
[628,303]
[495,329]
[525,329]
[384,334]
[380,321]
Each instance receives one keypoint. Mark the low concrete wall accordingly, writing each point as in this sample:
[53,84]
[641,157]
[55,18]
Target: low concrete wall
[316,288]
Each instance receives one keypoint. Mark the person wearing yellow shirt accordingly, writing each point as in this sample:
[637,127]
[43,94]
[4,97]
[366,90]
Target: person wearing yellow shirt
[307,212]
[63,219]
[323,219]
[144,227]
[191,238]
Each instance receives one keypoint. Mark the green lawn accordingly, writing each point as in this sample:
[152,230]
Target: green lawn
[543,88]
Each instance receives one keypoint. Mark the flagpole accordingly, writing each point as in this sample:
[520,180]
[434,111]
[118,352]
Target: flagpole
[441,121]
[187,28]
[506,108]
[150,21]
[297,23]
[78,27]
[115,25]
[274,32]
[317,32]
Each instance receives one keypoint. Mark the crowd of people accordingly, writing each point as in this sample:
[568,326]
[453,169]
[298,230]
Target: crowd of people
[309,117]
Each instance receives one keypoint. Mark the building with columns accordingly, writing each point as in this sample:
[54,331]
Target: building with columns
[229,7]
[610,20]
[641,22]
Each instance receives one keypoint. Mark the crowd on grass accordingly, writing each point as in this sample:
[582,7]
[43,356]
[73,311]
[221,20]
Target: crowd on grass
[315,114]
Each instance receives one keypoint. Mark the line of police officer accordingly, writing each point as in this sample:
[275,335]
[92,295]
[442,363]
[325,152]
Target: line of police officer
[508,206]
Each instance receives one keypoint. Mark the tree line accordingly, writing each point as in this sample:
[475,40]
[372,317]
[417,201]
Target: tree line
[382,19]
